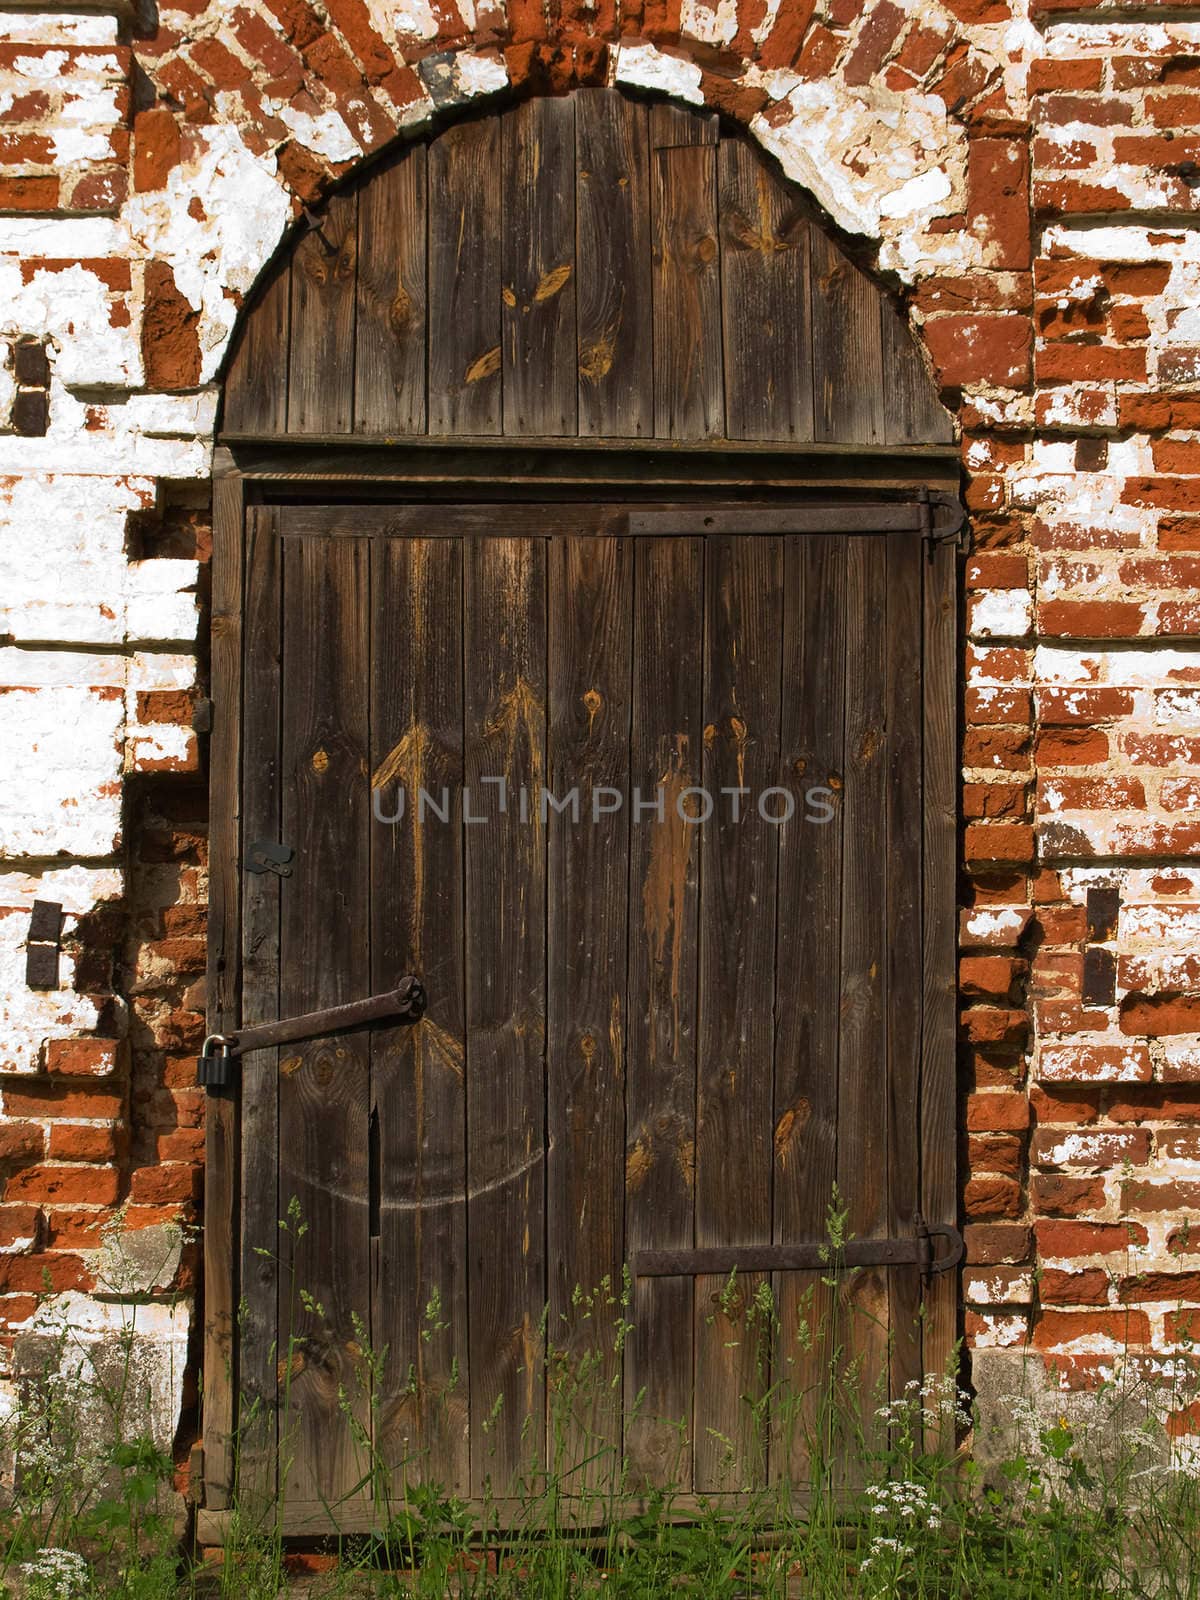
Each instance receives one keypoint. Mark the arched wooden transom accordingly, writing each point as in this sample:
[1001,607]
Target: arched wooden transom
[590,266]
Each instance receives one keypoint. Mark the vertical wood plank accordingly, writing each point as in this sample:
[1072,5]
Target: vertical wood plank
[811,848]
[257,1324]
[902,713]
[389,338]
[224,942]
[846,348]
[939,1185]
[538,272]
[321,351]
[256,381]
[465,230]
[505,696]
[912,412]
[739,862]
[660,1157]
[587,892]
[324,961]
[417,1074]
[614,292]
[689,385]
[862,1073]
[764,300]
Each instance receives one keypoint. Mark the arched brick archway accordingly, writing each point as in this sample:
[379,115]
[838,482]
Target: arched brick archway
[133,241]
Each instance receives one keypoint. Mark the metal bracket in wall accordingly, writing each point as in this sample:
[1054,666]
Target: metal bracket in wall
[43,944]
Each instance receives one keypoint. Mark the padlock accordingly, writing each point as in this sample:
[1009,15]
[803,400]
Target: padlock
[215,1064]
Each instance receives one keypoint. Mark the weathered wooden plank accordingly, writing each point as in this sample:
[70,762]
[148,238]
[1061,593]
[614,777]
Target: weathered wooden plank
[258,1268]
[764,300]
[862,1071]
[739,860]
[257,377]
[811,849]
[911,410]
[587,892]
[465,233]
[939,1185]
[666,752]
[417,1073]
[389,338]
[689,388]
[846,347]
[671,126]
[324,961]
[539,378]
[905,556]
[321,348]
[224,942]
[614,292]
[505,700]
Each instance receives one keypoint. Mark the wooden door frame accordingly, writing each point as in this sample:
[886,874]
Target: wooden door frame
[249,471]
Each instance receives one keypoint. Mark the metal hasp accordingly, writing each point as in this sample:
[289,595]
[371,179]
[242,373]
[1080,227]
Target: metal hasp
[405,1004]
[917,1251]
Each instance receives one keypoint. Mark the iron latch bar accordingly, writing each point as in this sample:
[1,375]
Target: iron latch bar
[405,1004]
[919,1251]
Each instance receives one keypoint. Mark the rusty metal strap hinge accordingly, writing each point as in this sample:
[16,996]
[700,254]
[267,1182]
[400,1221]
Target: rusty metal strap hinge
[215,1067]
[919,1250]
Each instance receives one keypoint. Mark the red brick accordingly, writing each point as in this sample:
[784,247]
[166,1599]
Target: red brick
[29,194]
[1088,363]
[1054,1328]
[50,1099]
[991,977]
[1089,1286]
[972,350]
[1060,1240]
[998,842]
[174,1183]
[998,198]
[992,1196]
[995,800]
[1057,1194]
[878,34]
[989,1244]
[1090,619]
[1157,1016]
[43,1274]
[994,1025]
[21,1142]
[1141,1194]
[57,1186]
[74,1142]
[1050,73]
[997,749]
[1089,1147]
[995,1152]
[21,1223]
[997,1113]
[1142,1288]
[84,1058]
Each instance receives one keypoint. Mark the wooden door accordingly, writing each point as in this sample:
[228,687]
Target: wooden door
[662,816]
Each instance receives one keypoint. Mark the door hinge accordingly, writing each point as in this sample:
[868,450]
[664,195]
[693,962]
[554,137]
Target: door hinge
[216,1066]
[919,1249]
[944,519]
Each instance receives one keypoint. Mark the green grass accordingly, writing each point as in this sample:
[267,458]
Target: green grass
[1099,1501]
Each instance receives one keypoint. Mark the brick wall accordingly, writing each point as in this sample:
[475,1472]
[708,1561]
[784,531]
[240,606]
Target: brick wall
[1026,172]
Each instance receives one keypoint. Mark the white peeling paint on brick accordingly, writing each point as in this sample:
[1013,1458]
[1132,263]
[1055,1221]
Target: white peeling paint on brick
[1001,614]
[641,66]
[245,211]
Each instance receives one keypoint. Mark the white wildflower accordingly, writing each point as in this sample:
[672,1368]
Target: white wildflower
[55,1575]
